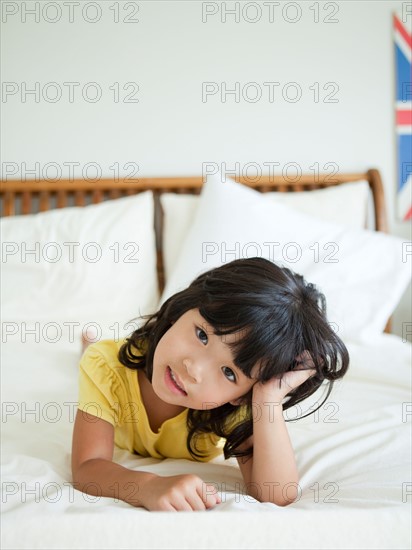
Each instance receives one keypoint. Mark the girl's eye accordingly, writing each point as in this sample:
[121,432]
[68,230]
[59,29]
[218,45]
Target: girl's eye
[201,334]
[230,375]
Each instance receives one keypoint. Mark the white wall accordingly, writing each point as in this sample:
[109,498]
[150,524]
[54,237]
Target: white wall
[169,53]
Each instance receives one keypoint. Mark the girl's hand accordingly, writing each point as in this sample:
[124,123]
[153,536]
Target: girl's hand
[280,386]
[178,493]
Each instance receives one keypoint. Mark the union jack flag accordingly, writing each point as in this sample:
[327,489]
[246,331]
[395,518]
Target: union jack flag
[403,49]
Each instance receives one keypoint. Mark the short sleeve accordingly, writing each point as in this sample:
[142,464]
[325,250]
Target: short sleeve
[100,386]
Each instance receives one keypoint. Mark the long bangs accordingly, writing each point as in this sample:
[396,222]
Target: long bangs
[260,338]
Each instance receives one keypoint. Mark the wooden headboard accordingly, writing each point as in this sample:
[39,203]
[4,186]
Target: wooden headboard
[20,197]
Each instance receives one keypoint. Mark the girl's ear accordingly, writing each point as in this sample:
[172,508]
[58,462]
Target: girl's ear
[236,402]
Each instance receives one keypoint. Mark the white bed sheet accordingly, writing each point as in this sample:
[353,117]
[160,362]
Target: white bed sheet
[354,459]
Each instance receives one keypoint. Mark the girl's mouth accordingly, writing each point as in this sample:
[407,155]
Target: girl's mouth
[172,383]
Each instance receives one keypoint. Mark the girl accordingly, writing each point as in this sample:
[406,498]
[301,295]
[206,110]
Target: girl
[211,371]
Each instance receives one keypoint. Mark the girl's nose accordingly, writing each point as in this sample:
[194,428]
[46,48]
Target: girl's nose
[193,369]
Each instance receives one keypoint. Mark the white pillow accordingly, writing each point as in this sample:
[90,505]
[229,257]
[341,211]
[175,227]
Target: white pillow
[178,214]
[361,272]
[345,204]
[106,278]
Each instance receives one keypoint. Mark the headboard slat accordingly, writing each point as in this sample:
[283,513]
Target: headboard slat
[79,198]
[97,196]
[61,198]
[26,202]
[9,203]
[44,201]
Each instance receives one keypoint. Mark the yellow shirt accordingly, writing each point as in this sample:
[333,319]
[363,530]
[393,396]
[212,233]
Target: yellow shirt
[110,390]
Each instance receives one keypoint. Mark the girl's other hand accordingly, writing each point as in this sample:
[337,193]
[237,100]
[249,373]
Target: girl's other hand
[182,493]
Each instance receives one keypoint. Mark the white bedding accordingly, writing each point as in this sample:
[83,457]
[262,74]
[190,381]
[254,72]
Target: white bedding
[353,457]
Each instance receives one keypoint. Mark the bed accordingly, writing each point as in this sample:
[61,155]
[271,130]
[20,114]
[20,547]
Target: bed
[82,260]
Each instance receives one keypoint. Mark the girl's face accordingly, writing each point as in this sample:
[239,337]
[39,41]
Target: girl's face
[193,368]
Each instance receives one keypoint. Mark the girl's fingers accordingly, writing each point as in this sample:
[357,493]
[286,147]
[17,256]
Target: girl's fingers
[183,493]
[197,500]
[196,503]
[296,377]
[211,497]
[183,505]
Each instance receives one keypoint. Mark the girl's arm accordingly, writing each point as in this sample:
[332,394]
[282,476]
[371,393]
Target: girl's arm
[270,473]
[95,473]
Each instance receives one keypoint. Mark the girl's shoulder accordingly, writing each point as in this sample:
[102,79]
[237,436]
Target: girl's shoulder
[105,384]
[107,350]
[101,368]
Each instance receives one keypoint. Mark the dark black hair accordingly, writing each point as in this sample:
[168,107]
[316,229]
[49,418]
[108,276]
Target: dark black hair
[280,317]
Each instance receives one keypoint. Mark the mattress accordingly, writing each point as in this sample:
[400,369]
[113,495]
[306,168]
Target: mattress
[353,456]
